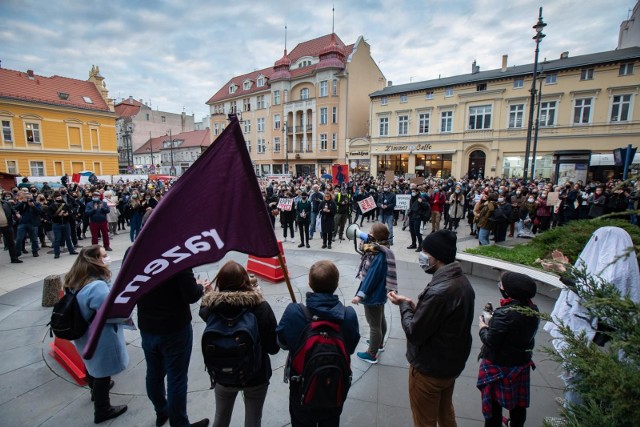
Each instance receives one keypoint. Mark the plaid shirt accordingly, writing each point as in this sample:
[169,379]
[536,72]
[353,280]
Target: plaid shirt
[507,385]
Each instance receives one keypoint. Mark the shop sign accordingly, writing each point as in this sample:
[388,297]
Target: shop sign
[407,147]
[361,153]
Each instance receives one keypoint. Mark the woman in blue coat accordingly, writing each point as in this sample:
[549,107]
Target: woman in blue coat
[89,279]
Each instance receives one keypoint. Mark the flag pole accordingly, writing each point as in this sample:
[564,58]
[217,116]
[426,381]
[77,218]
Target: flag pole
[285,273]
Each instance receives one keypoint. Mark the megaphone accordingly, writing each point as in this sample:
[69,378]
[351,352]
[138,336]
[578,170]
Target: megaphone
[354,233]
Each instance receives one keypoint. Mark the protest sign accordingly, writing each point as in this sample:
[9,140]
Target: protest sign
[285,204]
[402,202]
[367,204]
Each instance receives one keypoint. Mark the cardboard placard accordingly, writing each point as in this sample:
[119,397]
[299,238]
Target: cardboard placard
[285,204]
[389,177]
[367,204]
[553,198]
[402,202]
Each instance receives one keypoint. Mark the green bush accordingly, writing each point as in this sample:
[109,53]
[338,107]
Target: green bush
[570,239]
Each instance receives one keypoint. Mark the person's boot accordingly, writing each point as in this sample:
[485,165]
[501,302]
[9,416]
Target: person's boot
[103,410]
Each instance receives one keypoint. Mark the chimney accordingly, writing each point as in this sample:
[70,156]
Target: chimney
[564,55]
[504,63]
[30,74]
[475,68]
[130,99]
[389,83]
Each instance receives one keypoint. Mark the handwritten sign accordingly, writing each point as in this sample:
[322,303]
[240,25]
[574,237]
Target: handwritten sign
[367,204]
[402,202]
[285,204]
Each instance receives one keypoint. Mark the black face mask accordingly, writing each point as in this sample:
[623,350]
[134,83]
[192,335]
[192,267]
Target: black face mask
[503,293]
[59,201]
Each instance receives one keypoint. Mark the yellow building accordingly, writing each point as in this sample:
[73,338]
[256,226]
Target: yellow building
[300,114]
[476,123]
[56,125]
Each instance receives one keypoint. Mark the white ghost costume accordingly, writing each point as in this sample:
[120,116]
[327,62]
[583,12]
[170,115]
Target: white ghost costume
[607,256]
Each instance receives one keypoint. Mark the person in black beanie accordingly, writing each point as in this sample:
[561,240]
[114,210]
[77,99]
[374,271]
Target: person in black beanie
[438,330]
[508,339]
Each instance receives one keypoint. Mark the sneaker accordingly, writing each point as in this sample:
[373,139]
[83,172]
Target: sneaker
[365,356]
[380,349]
[293,240]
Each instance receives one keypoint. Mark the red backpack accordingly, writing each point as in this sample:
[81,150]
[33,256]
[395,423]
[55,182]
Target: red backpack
[320,369]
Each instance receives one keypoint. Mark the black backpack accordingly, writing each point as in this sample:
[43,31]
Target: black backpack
[66,320]
[231,348]
[320,369]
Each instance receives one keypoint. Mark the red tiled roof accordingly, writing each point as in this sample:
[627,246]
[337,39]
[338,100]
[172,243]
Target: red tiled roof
[313,47]
[196,138]
[128,108]
[17,85]
[308,48]
[223,93]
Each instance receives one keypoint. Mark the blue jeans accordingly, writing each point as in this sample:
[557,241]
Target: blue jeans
[134,226]
[62,232]
[312,226]
[483,236]
[33,236]
[388,219]
[168,355]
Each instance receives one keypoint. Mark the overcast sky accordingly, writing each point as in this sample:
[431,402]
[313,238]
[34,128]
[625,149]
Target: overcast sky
[176,54]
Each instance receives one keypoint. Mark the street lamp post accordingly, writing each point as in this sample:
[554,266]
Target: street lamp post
[538,38]
[535,133]
[172,171]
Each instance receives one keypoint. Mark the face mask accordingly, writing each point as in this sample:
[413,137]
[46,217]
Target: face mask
[413,193]
[500,191]
[96,199]
[63,192]
[530,199]
[457,191]
[518,193]
[386,189]
[435,190]
[106,260]
[425,263]
[58,200]
[304,198]
[500,199]
[7,198]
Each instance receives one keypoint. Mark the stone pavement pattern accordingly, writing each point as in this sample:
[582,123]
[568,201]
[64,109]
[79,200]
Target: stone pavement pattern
[35,389]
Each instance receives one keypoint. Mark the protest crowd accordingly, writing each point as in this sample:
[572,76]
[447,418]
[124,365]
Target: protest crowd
[437,325]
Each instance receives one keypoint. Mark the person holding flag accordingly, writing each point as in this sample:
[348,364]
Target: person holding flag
[205,238]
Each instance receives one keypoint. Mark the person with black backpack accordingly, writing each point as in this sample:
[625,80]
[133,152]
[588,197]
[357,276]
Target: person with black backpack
[320,337]
[236,343]
[88,280]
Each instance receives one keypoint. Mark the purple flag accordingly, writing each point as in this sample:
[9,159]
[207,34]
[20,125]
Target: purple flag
[215,207]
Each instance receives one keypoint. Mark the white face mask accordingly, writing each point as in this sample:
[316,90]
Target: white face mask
[106,260]
[530,200]
[423,261]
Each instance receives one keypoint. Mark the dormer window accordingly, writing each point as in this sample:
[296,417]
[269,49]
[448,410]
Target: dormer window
[87,100]
[232,89]
[246,85]
[63,96]
[260,81]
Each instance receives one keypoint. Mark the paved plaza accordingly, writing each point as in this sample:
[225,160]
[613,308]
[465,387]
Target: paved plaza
[36,391]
